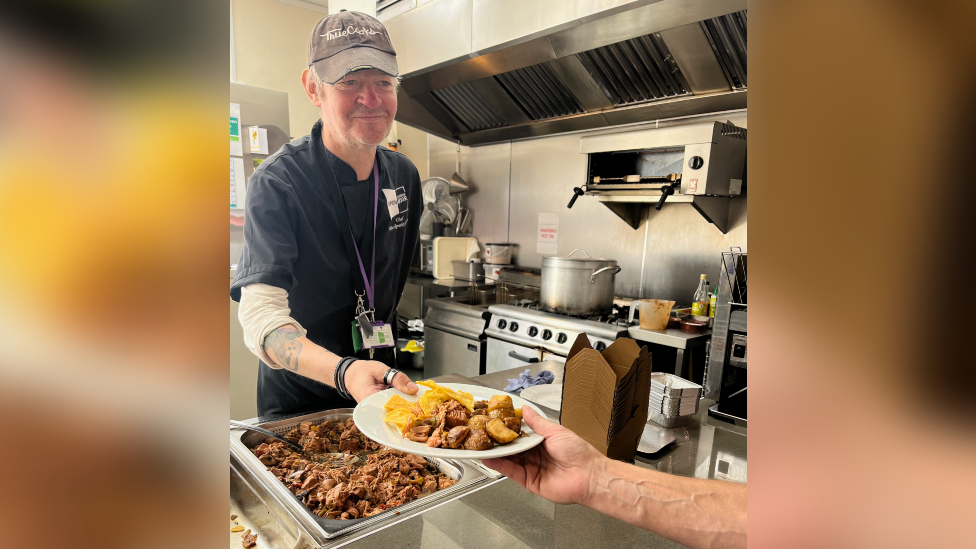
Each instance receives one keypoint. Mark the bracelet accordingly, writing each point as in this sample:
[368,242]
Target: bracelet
[340,376]
[342,367]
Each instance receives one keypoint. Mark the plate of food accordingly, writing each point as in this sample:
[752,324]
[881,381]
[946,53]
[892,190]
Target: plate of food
[450,420]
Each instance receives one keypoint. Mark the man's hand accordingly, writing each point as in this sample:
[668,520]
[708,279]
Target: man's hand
[560,469]
[365,377]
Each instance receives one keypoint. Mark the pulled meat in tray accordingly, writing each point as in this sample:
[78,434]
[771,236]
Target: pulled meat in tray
[344,475]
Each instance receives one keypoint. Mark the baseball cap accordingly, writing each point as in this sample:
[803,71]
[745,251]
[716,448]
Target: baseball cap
[350,41]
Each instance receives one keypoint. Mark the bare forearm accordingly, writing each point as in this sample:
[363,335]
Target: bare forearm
[695,512]
[292,351]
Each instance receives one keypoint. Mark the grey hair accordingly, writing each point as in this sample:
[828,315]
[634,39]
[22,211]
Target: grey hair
[319,83]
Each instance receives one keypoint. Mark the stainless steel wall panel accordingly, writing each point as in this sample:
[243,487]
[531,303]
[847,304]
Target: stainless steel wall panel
[434,33]
[487,170]
[415,114]
[680,244]
[441,157]
[544,172]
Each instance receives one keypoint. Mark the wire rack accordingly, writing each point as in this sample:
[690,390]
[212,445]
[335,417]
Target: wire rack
[734,269]
[508,291]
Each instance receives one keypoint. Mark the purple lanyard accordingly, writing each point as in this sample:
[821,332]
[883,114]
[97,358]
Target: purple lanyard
[372,268]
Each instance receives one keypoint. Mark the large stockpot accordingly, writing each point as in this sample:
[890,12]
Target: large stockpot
[577,285]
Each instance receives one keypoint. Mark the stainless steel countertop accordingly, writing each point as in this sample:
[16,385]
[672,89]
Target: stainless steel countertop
[506,515]
[672,337]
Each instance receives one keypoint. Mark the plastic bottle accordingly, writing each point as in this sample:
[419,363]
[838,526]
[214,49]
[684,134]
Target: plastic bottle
[699,305]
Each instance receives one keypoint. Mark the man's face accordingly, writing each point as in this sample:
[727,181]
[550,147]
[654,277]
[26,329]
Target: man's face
[359,109]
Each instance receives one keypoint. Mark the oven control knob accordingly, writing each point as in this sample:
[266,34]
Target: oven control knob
[547,334]
[600,346]
[561,338]
[502,324]
[533,331]
[513,327]
[696,162]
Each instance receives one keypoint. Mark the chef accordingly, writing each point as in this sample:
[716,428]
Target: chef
[331,226]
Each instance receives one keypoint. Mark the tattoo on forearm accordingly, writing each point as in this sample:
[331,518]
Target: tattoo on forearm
[284,343]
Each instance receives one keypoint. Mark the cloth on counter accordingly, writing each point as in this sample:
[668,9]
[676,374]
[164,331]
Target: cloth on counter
[526,380]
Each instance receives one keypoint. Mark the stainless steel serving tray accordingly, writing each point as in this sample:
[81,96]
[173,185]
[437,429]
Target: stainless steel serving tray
[299,522]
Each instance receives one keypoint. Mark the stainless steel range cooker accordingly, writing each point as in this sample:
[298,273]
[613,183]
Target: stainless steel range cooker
[521,335]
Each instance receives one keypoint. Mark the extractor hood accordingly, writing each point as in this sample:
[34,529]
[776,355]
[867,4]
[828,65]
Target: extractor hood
[643,61]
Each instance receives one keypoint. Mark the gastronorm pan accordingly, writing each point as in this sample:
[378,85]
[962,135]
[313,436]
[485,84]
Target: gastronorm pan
[470,476]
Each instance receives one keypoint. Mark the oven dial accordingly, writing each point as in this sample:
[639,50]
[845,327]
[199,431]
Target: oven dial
[600,345]
[696,162]
[513,327]
[561,338]
[547,334]
[533,331]
[502,324]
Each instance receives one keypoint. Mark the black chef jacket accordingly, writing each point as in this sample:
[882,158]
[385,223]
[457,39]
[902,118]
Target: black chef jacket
[293,240]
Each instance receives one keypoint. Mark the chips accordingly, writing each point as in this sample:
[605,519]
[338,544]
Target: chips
[398,402]
[401,418]
[431,400]
[428,402]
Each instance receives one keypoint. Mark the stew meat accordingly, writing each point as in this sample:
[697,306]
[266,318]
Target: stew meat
[368,481]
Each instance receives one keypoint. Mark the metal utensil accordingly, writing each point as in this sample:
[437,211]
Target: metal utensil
[242,425]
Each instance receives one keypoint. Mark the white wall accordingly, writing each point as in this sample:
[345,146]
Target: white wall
[270,42]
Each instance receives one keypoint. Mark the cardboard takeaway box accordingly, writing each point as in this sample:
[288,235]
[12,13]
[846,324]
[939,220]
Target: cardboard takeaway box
[605,395]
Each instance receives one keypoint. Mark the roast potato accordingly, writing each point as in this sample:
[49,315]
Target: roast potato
[477,440]
[513,423]
[500,401]
[500,433]
[478,423]
[501,413]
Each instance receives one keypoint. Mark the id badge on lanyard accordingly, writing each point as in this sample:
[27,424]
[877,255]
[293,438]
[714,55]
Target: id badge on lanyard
[367,333]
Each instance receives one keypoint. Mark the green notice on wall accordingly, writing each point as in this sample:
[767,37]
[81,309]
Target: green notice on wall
[235,129]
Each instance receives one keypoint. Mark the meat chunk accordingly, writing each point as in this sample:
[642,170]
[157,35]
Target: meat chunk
[349,446]
[436,439]
[456,436]
[455,418]
[421,430]
[445,483]
[514,423]
[477,440]
[415,437]
[249,539]
[479,404]
[304,427]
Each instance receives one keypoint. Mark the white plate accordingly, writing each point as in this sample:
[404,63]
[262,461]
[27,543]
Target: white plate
[550,396]
[369,415]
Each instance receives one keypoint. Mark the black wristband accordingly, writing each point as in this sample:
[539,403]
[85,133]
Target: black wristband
[343,366]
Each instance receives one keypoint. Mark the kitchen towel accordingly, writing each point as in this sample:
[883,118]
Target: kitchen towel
[526,380]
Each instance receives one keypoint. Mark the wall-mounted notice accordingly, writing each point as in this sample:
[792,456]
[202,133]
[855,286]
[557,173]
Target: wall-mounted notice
[236,145]
[547,239]
[237,188]
[258,139]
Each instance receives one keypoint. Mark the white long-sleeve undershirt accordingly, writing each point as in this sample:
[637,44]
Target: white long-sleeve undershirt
[263,309]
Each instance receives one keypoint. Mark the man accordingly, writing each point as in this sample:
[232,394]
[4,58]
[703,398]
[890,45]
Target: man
[698,513]
[331,225]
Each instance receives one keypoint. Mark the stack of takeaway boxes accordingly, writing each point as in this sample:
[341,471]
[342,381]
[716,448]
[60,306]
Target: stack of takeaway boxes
[605,395]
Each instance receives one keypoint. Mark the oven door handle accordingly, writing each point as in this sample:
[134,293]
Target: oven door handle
[517,356]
